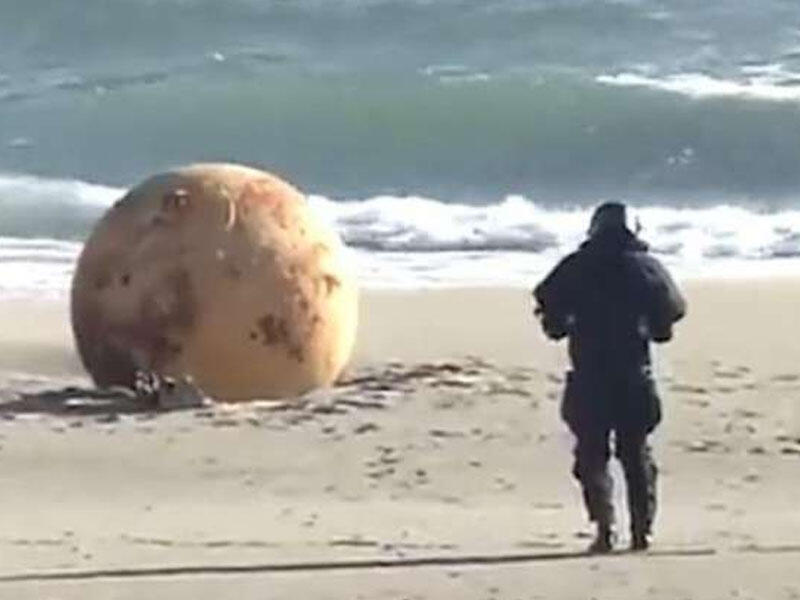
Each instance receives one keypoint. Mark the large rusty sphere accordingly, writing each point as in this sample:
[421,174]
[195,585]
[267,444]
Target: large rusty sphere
[217,272]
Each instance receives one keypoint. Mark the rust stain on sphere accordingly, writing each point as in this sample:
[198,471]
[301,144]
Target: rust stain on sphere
[219,272]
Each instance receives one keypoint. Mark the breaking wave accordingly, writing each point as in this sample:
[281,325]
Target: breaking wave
[409,240]
[762,82]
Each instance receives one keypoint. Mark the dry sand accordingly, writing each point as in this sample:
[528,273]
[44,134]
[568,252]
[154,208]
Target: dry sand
[444,444]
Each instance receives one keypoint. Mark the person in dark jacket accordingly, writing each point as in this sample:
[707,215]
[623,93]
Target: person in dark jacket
[611,298]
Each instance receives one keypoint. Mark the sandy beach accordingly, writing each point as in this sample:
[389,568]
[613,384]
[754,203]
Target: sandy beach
[438,469]
[190,168]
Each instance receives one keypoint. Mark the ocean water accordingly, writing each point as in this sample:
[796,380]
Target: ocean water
[449,141]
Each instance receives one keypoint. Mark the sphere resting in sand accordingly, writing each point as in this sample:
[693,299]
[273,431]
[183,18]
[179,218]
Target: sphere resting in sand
[217,272]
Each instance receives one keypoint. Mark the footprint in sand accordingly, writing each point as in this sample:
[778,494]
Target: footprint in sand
[504,484]
[704,446]
[745,413]
[363,428]
[751,477]
[498,389]
[686,388]
[555,378]
[443,433]
[389,459]
[698,403]
[731,373]
[520,376]
[724,389]
[786,378]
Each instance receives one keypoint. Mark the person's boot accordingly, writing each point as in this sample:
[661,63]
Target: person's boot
[604,539]
[640,538]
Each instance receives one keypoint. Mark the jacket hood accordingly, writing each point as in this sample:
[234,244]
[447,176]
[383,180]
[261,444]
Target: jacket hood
[613,241]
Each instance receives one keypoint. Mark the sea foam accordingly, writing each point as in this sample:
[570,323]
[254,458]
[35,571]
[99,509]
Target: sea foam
[411,241]
[758,82]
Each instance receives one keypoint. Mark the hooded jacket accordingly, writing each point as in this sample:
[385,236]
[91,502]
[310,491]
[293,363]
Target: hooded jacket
[611,297]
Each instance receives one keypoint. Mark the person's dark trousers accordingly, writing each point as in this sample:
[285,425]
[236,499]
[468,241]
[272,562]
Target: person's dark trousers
[592,453]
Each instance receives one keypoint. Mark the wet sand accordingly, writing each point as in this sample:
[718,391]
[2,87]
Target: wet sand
[443,444]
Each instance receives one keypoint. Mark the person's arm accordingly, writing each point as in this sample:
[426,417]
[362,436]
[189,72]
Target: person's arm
[554,297]
[666,303]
